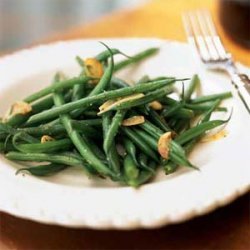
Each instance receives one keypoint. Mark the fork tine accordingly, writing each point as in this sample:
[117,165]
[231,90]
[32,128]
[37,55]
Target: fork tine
[215,37]
[196,36]
[188,29]
[207,36]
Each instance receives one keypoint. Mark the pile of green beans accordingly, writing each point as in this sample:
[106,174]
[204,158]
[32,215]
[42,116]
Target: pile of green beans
[65,127]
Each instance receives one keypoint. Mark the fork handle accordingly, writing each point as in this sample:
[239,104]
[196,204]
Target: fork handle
[242,85]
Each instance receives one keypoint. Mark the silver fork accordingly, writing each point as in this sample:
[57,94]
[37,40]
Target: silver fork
[202,34]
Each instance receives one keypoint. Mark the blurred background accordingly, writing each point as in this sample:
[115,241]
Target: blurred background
[22,22]
[26,22]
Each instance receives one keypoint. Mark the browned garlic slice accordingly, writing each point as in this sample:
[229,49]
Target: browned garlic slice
[20,107]
[46,138]
[134,120]
[93,68]
[214,137]
[155,105]
[106,106]
[163,144]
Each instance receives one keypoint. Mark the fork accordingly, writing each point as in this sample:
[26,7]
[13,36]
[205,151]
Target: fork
[202,34]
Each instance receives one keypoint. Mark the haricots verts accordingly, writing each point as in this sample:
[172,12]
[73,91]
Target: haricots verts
[109,128]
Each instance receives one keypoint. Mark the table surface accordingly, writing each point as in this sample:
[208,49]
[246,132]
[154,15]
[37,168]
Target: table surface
[225,228]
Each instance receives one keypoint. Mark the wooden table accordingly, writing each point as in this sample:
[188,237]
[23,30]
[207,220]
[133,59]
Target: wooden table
[226,228]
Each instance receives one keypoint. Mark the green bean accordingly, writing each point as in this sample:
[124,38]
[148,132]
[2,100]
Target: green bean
[178,112]
[88,101]
[80,61]
[43,170]
[144,176]
[78,92]
[169,101]
[43,104]
[159,121]
[57,77]
[172,122]
[7,139]
[129,155]
[178,156]
[6,129]
[131,171]
[143,100]
[143,162]
[3,137]
[181,126]
[106,121]
[97,150]
[148,139]
[136,58]
[194,83]
[143,110]
[22,136]
[105,79]
[203,107]
[114,161]
[130,149]
[103,56]
[151,129]
[213,97]
[221,109]
[37,107]
[188,147]
[111,154]
[137,140]
[47,102]
[47,147]
[118,83]
[90,114]
[208,113]
[169,111]
[85,166]
[198,130]
[17,120]
[61,158]
[113,129]
[205,118]
[88,122]
[184,113]
[89,87]
[170,167]
[5,147]
[143,79]
[80,142]
[56,87]
[46,129]
[162,78]
[84,126]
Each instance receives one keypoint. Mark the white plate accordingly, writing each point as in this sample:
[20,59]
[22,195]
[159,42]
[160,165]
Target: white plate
[70,199]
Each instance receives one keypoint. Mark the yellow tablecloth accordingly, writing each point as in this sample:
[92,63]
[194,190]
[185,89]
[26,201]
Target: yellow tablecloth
[158,18]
